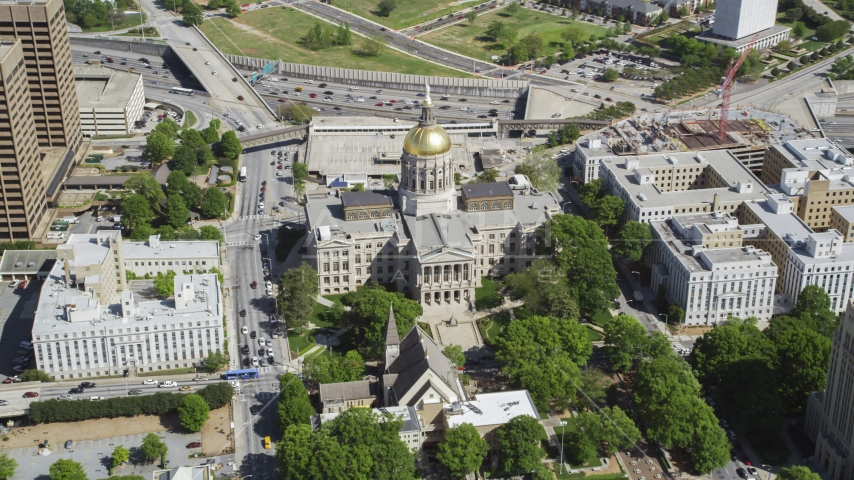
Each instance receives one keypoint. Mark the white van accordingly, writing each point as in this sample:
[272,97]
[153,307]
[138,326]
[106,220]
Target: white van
[71,219]
[56,235]
[116,218]
[168,385]
[95,399]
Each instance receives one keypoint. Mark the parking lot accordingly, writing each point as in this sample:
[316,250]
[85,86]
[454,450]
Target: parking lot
[95,455]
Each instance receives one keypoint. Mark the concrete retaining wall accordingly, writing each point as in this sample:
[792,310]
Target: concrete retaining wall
[399,81]
[135,45]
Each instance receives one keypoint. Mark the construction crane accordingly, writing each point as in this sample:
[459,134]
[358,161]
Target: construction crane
[726,87]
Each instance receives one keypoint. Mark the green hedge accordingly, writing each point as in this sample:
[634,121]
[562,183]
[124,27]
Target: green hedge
[161,403]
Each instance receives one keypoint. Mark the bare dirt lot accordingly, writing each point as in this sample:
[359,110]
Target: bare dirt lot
[216,434]
[90,429]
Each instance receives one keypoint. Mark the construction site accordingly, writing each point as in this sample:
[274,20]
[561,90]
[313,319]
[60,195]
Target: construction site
[748,132]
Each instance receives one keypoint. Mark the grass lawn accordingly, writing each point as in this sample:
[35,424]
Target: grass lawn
[126,21]
[316,316]
[407,13]
[601,318]
[276,32]
[299,343]
[496,324]
[173,371]
[812,46]
[487,295]
[782,20]
[470,40]
[189,119]
[522,312]
[594,336]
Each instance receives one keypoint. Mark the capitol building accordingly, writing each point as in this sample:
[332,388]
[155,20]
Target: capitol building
[432,240]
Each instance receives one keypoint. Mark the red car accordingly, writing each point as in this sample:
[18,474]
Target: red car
[263,189]
[282,100]
[31,394]
[23,284]
[392,101]
[194,444]
[746,460]
[312,95]
[11,380]
[254,284]
[281,167]
[240,97]
[380,104]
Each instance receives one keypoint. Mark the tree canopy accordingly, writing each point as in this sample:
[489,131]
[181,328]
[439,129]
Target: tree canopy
[333,368]
[632,239]
[153,447]
[294,405]
[297,294]
[519,442]
[146,185]
[193,412]
[214,203]
[369,316]
[461,450]
[66,469]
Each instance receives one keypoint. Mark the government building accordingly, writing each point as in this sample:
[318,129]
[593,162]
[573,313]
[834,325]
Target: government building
[430,240]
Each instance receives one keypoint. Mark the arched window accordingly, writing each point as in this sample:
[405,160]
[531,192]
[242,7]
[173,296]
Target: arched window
[363,215]
[473,207]
[375,214]
[351,216]
[386,213]
[507,204]
[484,206]
[496,206]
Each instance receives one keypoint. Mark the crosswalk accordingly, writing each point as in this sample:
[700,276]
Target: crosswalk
[238,244]
[253,217]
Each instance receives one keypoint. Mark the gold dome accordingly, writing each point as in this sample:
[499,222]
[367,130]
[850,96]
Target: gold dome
[427,141]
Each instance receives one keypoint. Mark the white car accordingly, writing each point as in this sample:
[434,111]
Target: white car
[260,204]
[296,94]
[207,63]
[309,81]
[150,381]
[14,283]
[65,397]
[258,237]
[262,342]
[494,102]
[327,99]
[269,343]
[254,361]
[269,285]
[213,73]
[279,173]
[244,330]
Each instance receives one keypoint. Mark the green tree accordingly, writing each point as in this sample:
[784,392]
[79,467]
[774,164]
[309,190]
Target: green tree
[343,36]
[589,192]
[294,405]
[65,469]
[519,442]
[232,9]
[610,75]
[146,185]
[592,387]
[297,452]
[668,395]
[153,447]
[192,14]
[215,361]
[297,295]
[334,368]
[120,455]
[607,210]
[164,285]
[454,353]
[167,127]
[192,195]
[175,182]
[488,175]
[803,357]
[209,232]
[798,472]
[214,203]
[230,145]
[210,134]
[193,412]
[90,21]
[791,66]
[158,147]
[471,16]
[542,171]
[204,155]
[543,355]
[184,160]
[618,430]
[813,305]
[675,314]
[369,316]
[632,239]
[372,46]
[192,138]
[8,466]
[794,14]
[580,249]
[136,211]
[385,7]
[625,341]
[177,213]
[217,395]
[461,450]
[512,8]
[799,30]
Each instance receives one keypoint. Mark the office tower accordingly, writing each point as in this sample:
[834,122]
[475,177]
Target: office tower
[735,19]
[41,27]
[22,186]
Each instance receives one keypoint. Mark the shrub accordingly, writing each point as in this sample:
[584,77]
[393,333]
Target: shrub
[832,30]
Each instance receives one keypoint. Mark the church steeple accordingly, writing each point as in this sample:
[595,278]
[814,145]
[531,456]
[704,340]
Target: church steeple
[392,339]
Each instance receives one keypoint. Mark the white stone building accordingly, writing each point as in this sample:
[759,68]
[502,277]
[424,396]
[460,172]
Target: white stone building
[437,242]
[89,324]
[110,100]
[156,256]
[700,260]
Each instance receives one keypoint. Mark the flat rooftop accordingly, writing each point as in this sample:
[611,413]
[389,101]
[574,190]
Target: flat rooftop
[709,36]
[407,414]
[650,196]
[495,408]
[102,87]
[326,210]
[172,249]
[846,212]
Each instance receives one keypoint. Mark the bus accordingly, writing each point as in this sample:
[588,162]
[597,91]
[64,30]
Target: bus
[242,175]
[241,374]
[184,91]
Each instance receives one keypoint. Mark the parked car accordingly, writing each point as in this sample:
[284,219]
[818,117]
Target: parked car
[194,444]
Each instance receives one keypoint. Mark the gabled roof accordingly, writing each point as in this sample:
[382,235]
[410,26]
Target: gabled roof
[391,336]
[418,354]
[364,199]
[346,390]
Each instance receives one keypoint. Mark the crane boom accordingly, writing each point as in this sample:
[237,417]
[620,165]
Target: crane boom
[726,87]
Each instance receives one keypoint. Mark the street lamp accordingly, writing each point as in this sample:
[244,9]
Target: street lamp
[638,274]
[665,317]
[562,433]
